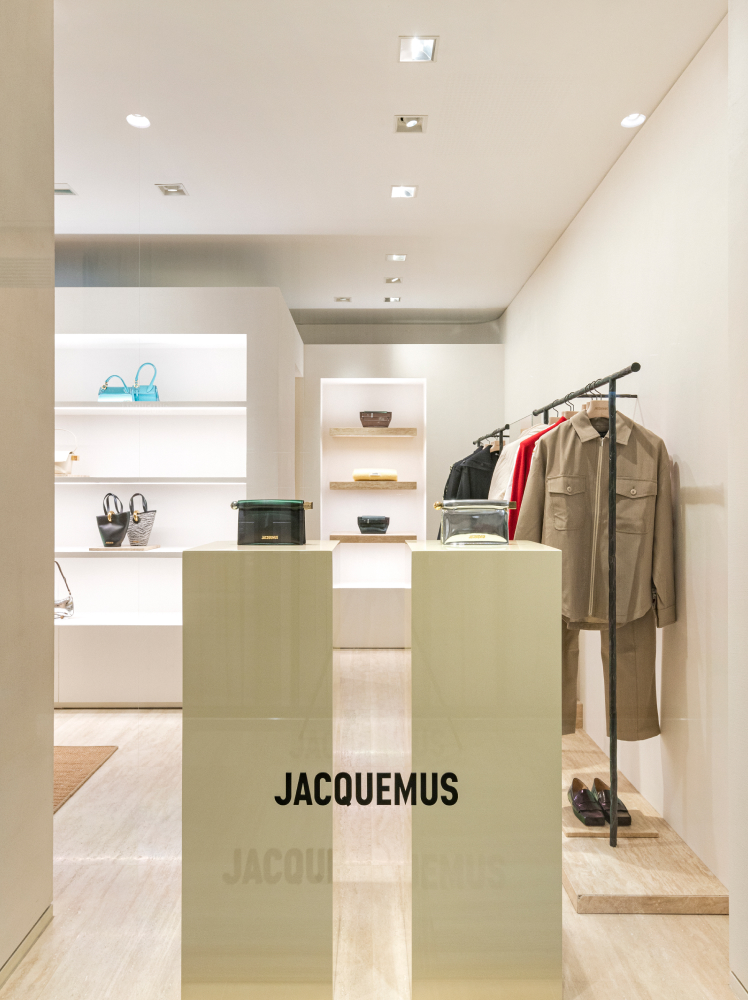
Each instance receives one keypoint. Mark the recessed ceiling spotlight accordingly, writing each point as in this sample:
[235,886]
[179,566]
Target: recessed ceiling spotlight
[410,123]
[633,121]
[396,256]
[399,191]
[343,298]
[392,298]
[393,281]
[418,49]
[62,188]
[171,189]
[138,121]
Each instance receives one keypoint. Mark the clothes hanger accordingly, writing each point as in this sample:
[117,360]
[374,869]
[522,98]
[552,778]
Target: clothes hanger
[597,407]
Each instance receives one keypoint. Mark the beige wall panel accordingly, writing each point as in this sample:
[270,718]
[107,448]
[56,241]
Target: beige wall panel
[26,447]
[487,707]
[737,523]
[257,876]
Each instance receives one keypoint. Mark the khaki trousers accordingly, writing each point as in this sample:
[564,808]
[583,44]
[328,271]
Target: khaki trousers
[637,694]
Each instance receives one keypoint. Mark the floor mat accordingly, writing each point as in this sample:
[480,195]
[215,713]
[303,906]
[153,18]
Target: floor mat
[73,767]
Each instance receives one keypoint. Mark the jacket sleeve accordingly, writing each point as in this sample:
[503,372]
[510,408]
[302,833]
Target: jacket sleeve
[530,522]
[663,571]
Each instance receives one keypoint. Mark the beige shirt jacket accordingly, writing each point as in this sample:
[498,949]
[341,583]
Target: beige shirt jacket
[565,505]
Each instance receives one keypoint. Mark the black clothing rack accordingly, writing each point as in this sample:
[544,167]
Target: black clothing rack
[500,432]
[610,381]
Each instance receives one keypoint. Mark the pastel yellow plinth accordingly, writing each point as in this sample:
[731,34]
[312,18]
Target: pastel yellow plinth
[486,639]
[257,876]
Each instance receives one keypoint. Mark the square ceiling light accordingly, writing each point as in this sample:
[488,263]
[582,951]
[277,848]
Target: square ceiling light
[62,188]
[392,298]
[403,191]
[343,298]
[172,189]
[393,281]
[396,256]
[418,48]
[410,123]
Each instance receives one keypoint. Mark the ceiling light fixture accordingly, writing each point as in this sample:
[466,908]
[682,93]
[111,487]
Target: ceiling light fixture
[633,121]
[410,123]
[138,121]
[172,189]
[400,191]
[396,256]
[393,281]
[392,298]
[62,188]
[343,298]
[418,49]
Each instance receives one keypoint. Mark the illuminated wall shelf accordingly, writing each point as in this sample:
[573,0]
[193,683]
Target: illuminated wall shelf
[188,408]
[380,432]
[373,484]
[373,539]
[148,481]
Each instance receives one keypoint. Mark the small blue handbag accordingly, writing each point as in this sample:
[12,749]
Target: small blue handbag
[115,393]
[145,393]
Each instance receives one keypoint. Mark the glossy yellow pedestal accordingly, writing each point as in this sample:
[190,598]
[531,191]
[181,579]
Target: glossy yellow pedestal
[257,876]
[486,641]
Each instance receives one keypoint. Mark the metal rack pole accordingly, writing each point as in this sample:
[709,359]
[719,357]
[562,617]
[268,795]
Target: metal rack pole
[612,612]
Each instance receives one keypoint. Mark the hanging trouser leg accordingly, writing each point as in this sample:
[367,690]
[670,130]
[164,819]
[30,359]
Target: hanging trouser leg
[635,672]
[569,670]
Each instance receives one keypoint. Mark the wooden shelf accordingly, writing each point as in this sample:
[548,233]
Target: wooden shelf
[359,432]
[373,539]
[373,484]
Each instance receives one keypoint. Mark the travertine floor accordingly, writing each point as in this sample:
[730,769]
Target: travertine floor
[115,935]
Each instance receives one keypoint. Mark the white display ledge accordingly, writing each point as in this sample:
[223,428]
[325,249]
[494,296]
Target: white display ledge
[208,408]
[122,618]
[373,484]
[379,585]
[124,552]
[365,432]
[150,481]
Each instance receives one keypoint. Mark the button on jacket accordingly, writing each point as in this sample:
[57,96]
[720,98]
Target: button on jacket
[566,505]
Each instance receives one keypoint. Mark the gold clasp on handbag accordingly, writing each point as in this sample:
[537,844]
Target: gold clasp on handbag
[109,515]
[135,517]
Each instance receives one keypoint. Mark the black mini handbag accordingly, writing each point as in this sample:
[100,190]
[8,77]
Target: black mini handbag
[113,523]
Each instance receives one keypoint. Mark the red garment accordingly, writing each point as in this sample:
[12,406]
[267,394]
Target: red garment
[522,471]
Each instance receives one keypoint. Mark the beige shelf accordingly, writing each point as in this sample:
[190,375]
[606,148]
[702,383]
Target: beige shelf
[372,539]
[373,484]
[355,432]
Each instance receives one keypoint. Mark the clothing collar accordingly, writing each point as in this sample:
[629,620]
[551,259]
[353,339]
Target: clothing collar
[586,432]
[482,458]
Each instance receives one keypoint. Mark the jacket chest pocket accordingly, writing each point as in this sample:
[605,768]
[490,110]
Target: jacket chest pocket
[568,501]
[635,505]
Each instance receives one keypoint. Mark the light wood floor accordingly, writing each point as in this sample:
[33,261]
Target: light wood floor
[115,934]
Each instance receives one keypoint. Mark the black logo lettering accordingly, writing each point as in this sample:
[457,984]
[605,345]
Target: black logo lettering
[405,790]
[287,799]
[318,797]
[343,778]
[434,789]
[303,794]
[449,788]
[369,789]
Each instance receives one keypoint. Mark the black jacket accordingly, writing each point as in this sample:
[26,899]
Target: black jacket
[470,478]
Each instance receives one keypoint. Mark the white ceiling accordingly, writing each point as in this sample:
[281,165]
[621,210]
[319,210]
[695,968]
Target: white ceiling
[278,117]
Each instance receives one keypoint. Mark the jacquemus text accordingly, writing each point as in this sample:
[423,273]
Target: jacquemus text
[391,789]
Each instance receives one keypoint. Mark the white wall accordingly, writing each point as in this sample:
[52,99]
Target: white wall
[641,275]
[464,398]
[738,496]
[274,355]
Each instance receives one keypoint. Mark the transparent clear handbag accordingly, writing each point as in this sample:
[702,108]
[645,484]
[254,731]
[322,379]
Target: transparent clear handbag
[475,522]
[63,598]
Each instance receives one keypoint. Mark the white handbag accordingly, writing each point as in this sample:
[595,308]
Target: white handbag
[64,459]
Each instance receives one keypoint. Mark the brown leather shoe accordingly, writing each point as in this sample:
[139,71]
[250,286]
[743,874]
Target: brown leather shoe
[601,795]
[585,807]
